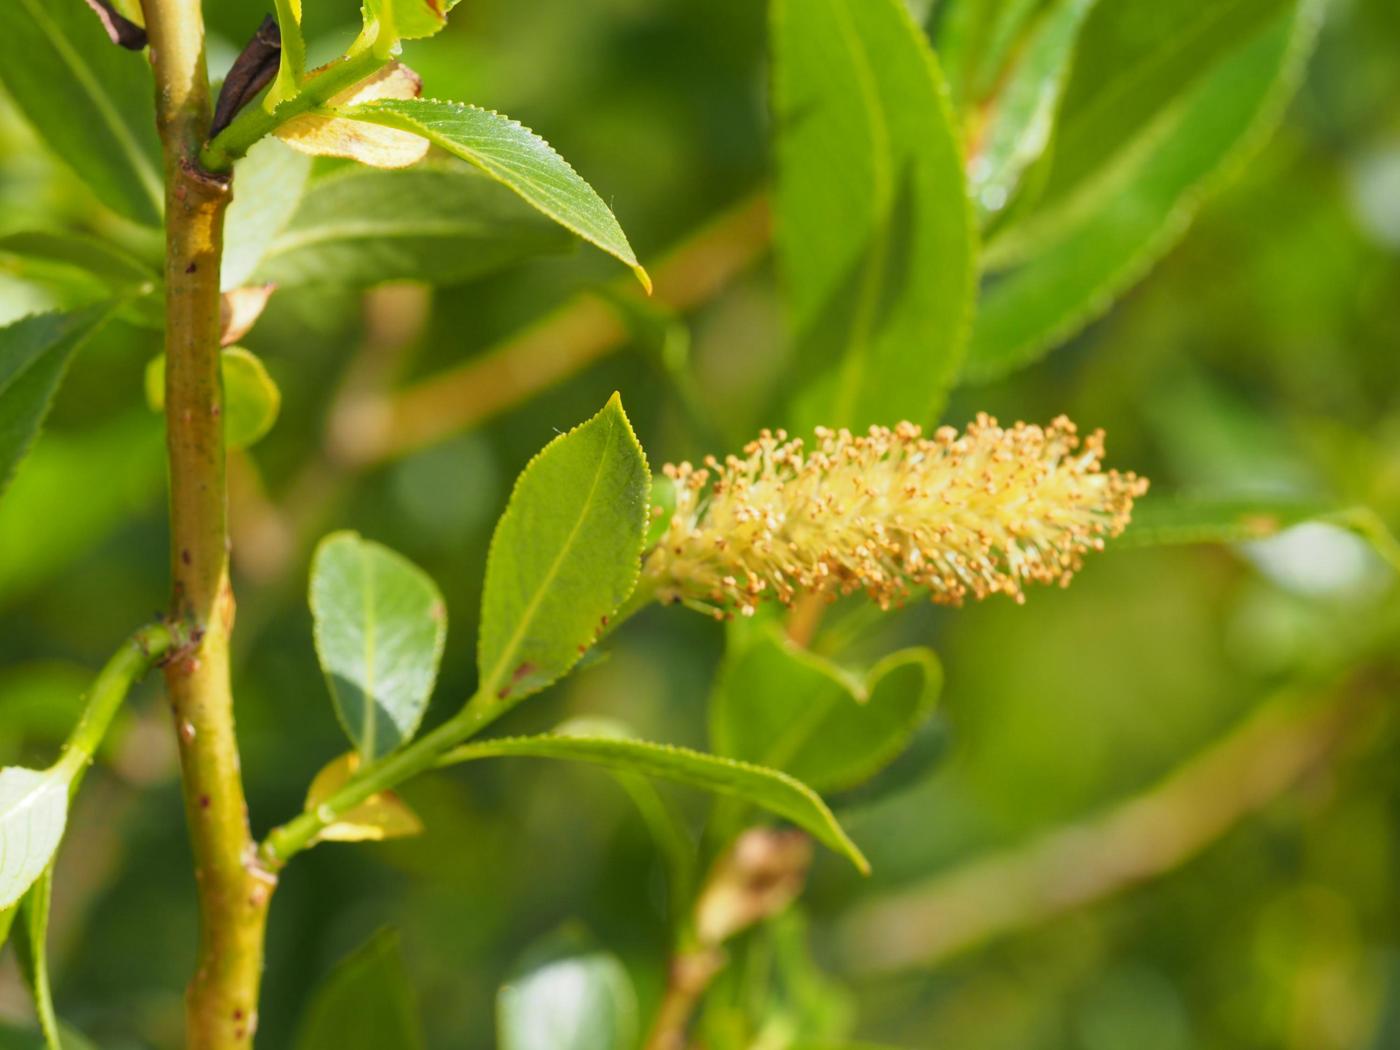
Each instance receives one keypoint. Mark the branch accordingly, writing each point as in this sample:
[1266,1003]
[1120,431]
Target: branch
[562,343]
[1139,839]
[233,890]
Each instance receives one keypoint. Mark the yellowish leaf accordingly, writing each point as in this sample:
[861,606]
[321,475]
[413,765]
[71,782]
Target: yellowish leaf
[239,310]
[372,144]
[379,817]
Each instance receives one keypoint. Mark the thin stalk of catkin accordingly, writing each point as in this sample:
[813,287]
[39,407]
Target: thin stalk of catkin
[890,512]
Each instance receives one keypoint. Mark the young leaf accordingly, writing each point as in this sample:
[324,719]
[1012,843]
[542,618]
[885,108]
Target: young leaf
[776,705]
[566,553]
[292,66]
[379,147]
[252,400]
[366,1003]
[33,810]
[875,235]
[567,994]
[379,817]
[406,19]
[767,788]
[31,951]
[91,102]
[361,226]
[1077,256]
[513,155]
[34,354]
[380,625]
[270,182]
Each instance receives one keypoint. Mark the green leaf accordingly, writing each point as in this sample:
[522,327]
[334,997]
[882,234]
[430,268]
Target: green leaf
[380,625]
[567,994]
[1074,258]
[271,181]
[362,226]
[118,466]
[405,19]
[31,951]
[769,789]
[91,102]
[875,235]
[1168,520]
[252,400]
[781,706]
[33,810]
[115,269]
[1022,111]
[34,354]
[7,921]
[513,155]
[366,1003]
[291,66]
[566,553]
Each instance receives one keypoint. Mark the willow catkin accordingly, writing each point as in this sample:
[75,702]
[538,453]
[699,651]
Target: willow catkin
[890,512]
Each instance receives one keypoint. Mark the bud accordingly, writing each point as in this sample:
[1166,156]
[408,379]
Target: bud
[760,875]
[889,512]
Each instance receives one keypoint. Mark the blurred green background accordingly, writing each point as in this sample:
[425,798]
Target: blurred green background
[1260,355]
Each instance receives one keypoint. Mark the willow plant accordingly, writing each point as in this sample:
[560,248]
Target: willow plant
[881,514]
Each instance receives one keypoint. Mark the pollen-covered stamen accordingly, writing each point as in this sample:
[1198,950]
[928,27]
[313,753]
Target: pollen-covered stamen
[889,512]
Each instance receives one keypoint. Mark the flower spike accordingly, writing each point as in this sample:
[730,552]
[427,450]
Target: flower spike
[890,512]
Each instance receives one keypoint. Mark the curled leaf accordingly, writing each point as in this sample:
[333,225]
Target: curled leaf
[240,309]
[379,817]
[375,145]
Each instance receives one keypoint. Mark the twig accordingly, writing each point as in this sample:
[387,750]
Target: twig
[1142,838]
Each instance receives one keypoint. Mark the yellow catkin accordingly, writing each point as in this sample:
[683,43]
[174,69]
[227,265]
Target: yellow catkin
[890,512]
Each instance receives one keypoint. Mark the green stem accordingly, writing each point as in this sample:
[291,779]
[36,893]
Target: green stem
[255,122]
[301,832]
[136,656]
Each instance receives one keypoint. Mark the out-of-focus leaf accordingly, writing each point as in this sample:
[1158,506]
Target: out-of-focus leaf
[360,227]
[1076,257]
[1023,109]
[567,994]
[7,921]
[513,155]
[379,817]
[875,236]
[92,103]
[377,146]
[34,354]
[365,1003]
[251,398]
[32,953]
[118,466]
[116,270]
[781,706]
[15,1038]
[380,627]
[566,553]
[268,187]
[768,789]
[33,810]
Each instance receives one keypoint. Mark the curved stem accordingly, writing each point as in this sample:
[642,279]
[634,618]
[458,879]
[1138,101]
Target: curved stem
[127,665]
[221,1004]
[255,122]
